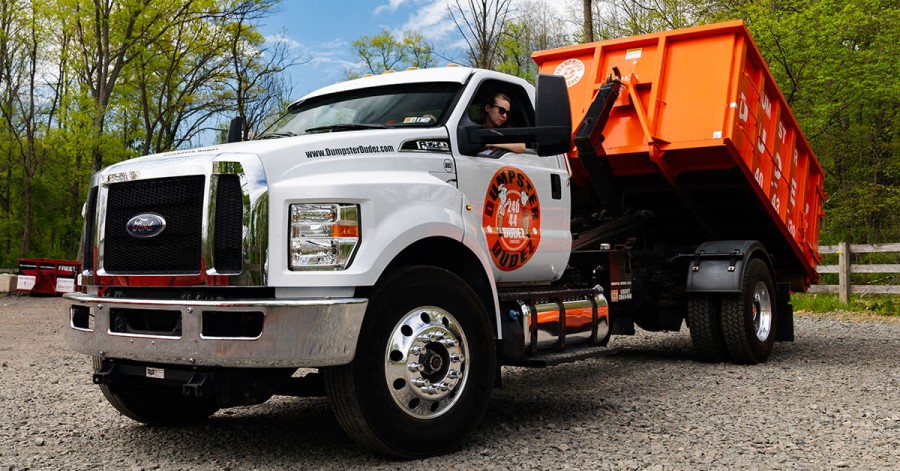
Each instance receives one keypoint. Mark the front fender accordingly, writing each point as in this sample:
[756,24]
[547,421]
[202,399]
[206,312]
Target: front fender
[397,208]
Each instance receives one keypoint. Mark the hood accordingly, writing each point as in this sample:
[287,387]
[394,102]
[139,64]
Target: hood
[277,156]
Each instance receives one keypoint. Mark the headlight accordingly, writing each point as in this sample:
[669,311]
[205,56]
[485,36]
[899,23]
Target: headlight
[323,236]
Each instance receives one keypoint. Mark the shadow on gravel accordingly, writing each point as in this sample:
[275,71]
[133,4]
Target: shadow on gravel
[282,433]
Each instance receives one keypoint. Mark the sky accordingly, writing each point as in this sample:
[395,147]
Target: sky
[323,30]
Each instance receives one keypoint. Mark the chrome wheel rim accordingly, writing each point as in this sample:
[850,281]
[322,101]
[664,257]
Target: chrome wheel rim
[762,311]
[425,362]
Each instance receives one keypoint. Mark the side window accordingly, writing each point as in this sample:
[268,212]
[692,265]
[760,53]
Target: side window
[521,113]
[498,104]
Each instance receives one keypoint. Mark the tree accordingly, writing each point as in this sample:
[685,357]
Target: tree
[384,51]
[481,24]
[20,42]
[617,18]
[179,83]
[535,28]
[107,34]
[588,26]
[841,81]
[255,85]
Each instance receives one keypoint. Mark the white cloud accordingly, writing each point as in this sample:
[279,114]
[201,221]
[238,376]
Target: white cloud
[391,6]
[432,20]
[285,39]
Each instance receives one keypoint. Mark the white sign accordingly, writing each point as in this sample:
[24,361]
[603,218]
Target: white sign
[65,285]
[24,282]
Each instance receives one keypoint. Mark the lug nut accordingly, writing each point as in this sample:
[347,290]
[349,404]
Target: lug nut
[415,367]
[419,382]
[457,357]
[448,343]
[453,374]
[417,350]
[429,389]
[443,386]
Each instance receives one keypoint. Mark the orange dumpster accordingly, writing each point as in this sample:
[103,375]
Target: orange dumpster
[700,120]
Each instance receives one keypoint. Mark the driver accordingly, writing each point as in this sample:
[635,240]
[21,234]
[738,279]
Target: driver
[496,113]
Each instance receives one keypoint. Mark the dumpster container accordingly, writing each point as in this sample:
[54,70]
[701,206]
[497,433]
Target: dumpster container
[703,137]
[47,277]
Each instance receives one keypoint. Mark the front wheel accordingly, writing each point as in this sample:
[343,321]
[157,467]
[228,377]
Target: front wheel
[424,366]
[749,318]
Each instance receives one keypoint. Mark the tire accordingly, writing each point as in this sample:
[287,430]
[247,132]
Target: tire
[156,404]
[749,318]
[424,367]
[704,322]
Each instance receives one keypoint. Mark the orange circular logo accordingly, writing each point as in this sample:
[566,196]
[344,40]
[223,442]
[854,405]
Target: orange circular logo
[511,218]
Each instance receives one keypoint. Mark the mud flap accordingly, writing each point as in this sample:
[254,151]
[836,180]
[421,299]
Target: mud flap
[784,329]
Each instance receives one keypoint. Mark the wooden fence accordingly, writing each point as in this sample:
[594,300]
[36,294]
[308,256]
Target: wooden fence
[844,268]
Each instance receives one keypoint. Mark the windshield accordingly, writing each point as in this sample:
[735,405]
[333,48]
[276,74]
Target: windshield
[416,105]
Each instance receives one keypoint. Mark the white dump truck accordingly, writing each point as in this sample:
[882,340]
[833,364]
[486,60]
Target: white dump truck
[374,234]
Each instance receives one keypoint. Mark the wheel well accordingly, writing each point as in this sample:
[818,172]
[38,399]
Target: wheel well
[446,253]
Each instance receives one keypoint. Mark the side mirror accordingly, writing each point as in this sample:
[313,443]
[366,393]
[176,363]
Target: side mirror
[236,129]
[553,118]
[552,133]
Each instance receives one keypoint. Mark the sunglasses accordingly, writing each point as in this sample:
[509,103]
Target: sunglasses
[501,110]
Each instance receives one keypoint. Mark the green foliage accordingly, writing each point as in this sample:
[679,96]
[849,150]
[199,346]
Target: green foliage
[840,79]
[384,51]
[885,305]
[534,28]
[110,81]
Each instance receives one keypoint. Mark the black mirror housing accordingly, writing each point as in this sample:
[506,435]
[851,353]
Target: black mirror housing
[553,118]
[236,129]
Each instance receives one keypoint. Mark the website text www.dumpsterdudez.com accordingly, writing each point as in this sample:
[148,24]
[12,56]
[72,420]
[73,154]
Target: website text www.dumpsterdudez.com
[353,150]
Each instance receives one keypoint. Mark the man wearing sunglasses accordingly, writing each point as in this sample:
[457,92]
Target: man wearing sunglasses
[496,114]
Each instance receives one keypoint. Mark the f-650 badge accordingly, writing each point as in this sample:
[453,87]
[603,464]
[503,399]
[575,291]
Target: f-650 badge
[511,218]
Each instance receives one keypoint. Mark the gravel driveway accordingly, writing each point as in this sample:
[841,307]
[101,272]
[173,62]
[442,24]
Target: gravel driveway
[830,400]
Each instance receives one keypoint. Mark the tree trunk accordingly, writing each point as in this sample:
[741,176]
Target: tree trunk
[588,22]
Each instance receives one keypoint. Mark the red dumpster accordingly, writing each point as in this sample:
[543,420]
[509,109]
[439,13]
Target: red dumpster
[47,277]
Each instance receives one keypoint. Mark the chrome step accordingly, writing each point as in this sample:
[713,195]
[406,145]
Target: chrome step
[542,360]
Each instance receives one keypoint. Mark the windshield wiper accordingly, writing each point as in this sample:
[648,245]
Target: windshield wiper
[276,135]
[345,127]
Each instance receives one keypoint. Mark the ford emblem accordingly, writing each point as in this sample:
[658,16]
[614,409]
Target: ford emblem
[146,225]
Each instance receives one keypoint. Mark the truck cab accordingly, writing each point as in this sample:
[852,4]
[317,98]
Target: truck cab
[366,233]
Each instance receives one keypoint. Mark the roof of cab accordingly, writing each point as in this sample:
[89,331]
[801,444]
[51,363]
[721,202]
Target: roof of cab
[438,74]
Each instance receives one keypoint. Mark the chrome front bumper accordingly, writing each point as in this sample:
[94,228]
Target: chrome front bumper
[295,332]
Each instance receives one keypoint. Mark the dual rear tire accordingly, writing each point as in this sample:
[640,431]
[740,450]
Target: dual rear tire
[739,327]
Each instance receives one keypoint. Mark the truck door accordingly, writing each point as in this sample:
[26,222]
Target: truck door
[518,202]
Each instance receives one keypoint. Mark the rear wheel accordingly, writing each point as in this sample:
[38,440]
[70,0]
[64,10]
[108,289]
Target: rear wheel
[749,318]
[155,404]
[424,366]
[704,321]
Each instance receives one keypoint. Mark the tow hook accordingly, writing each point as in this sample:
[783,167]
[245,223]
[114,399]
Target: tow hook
[195,386]
[105,375]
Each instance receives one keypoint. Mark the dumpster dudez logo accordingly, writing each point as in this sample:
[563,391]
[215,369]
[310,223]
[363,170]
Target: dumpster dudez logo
[511,218]
[145,225]
[572,70]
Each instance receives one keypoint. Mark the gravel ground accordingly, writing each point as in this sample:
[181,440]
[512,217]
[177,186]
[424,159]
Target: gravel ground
[829,400]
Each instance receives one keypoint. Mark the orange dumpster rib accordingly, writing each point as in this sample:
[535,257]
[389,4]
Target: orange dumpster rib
[703,100]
